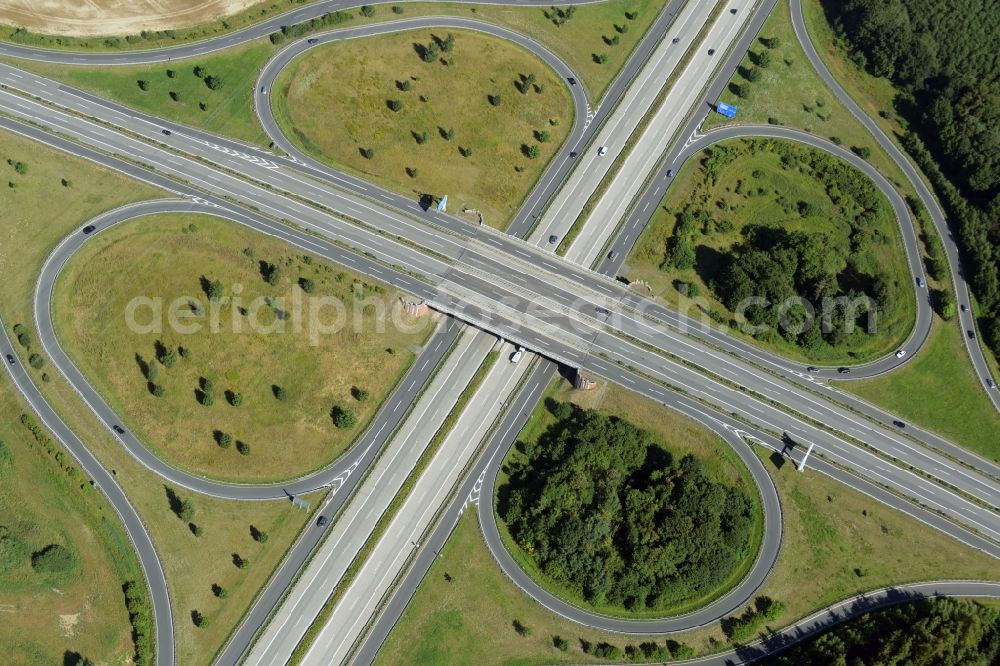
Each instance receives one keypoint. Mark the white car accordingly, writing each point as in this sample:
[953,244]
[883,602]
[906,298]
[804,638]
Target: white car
[901,353]
[516,356]
[602,151]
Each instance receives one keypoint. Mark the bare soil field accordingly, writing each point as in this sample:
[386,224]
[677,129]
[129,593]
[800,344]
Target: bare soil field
[114,17]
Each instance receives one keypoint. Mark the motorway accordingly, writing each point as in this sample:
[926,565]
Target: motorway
[360,601]
[454,278]
[394,253]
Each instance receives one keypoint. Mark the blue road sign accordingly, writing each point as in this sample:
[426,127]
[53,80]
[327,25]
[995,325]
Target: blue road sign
[728,110]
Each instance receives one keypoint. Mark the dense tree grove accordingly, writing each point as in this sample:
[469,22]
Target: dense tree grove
[944,59]
[605,511]
[938,632]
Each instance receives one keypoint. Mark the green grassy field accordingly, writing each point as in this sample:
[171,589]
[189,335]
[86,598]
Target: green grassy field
[836,543]
[680,436]
[734,200]
[334,103]
[41,212]
[247,353]
[79,609]
[938,390]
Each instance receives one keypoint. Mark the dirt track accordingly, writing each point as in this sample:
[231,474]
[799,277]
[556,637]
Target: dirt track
[114,17]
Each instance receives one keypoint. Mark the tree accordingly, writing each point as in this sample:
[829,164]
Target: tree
[258,535]
[215,291]
[560,643]
[206,399]
[753,74]
[343,417]
[279,392]
[224,439]
[270,272]
[36,361]
[24,339]
[367,10]
[143,84]
[243,448]
[449,134]
[53,559]
[21,168]
[532,151]
[542,136]
[235,398]
[156,389]
[167,356]
[430,52]
[213,82]
[360,394]
[864,152]
[199,620]
[186,511]
[495,99]
[395,105]
[174,95]
[199,71]
[764,59]
[448,44]
[741,90]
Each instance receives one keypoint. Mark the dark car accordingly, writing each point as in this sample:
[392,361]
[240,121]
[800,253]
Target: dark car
[572,153]
[812,368]
[965,308]
[711,52]
[844,371]
[733,10]
[118,429]
[572,81]
[992,384]
[612,255]
[166,131]
[675,40]
[312,40]
[970,334]
[87,229]
[553,238]
[670,173]
[899,424]
[10,359]
[602,311]
[322,521]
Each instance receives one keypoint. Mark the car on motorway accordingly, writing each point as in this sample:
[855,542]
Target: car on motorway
[571,80]
[602,310]
[166,132]
[899,424]
[920,282]
[572,153]
[323,520]
[964,307]
[972,336]
[10,359]
[612,255]
[670,173]
[87,229]
[553,238]
[311,40]
[844,370]
[602,151]
[263,90]
[516,356]
[812,368]
[118,429]
[675,40]
[733,10]
[992,384]
[901,353]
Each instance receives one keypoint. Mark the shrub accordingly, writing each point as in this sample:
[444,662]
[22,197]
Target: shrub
[279,392]
[560,643]
[360,394]
[258,535]
[53,559]
[186,510]
[143,84]
[213,82]
[243,448]
[24,339]
[36,361]
[396,9]
[864,152]
[307,285]
[367,10]
[196,530]
[223,439]
[395,105]
[343,417]
[494,100]
[219,591]
[156,389]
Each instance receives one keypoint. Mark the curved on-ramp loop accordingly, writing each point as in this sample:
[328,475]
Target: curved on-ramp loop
[732,600]
[333,474]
